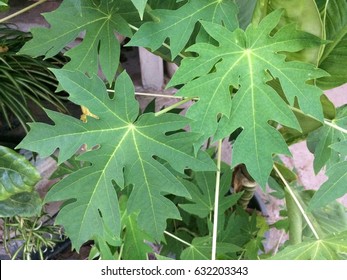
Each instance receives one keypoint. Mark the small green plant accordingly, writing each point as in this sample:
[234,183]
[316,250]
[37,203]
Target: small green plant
[251,72]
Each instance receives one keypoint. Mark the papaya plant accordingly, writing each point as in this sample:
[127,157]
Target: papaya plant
[251,73]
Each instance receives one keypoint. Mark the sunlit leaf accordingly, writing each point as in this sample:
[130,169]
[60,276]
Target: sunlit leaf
[178,25]
[247,61]
[122,148]
[332,247]
[99,46]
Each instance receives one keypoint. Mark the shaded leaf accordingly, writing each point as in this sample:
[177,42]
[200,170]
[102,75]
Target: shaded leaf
[122,148]
[17,175]
[178,25]
[333,188]
[319,142]
[334,57]
[99,46]
[202,192]
[24,204]
[247,61]
[246,10]
[307,123]
[201,249]
[340,147]
[332,247]
[136,242]
[140,6]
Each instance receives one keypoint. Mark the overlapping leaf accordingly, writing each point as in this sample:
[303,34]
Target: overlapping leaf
[202,193]
[178,25]
[99,45]
[17,175]
[332,247]
[335,187]
[247,61]
[200,249]
[122,149]
[334,56]
[320,141]
[17,181]
[140,6]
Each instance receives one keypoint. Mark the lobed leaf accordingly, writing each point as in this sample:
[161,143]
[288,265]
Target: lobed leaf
[178,25]
[123,150]
[332,247]
[334,57]
[333,188]
[247,61]
[99,46]
[320,141]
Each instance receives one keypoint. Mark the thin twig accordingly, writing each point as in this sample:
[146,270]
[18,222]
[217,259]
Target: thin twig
[216,202]
[308,221]
[22,11]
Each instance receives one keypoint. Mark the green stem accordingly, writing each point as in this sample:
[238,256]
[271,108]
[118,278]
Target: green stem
[177,238]
[216,201]
[297,202]
[167,109]
[156,95]
[295,220]
[22,11]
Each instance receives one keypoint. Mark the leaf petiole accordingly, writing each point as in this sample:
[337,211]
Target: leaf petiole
[22,11]
[167,109]
[177,238]
[339,128]
[216,202]
[297,202]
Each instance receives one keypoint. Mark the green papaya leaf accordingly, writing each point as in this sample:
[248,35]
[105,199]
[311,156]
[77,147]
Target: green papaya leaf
[332,247]
[178,25]
[331,218]
[17,175]
[304,14]
[136,241]
[140,5]
[123,150]
[201,248]
[247,61]
[202,192]
[340,147]
[333,188]
[307,123]
[24,204]
[319,142]
[246,10]
[334,57]
[99,46]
